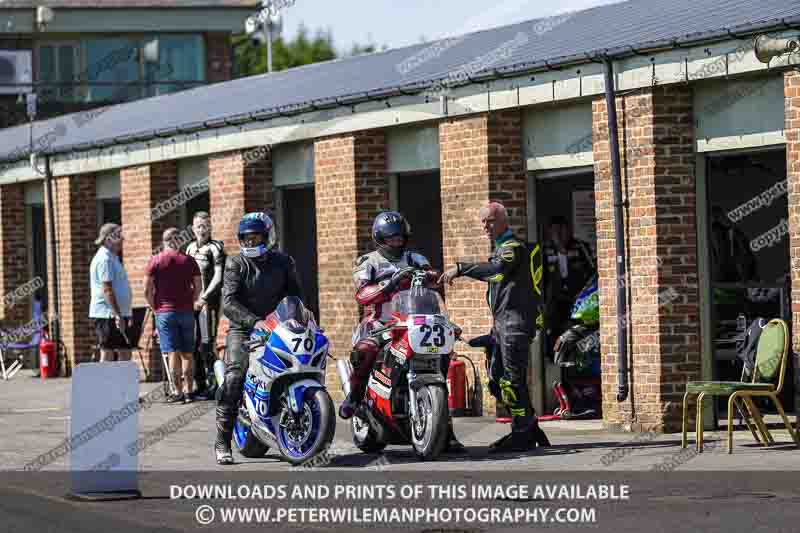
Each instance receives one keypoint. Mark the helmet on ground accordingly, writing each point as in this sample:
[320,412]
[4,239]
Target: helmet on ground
[259,223]
[390,224]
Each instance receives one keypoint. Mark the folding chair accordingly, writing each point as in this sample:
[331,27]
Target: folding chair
[771,356]
[7,348]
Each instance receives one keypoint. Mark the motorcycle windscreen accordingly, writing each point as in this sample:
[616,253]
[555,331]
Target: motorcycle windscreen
[293,315]
[418,302]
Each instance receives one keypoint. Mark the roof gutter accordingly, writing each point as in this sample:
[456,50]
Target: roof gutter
[499,73]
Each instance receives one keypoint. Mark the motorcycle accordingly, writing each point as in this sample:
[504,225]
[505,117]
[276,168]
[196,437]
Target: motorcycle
[406,396]
[285,403]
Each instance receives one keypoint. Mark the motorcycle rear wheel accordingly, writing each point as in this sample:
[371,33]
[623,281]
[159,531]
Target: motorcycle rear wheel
[429,430]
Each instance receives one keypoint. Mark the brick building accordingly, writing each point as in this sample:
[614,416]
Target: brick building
[705,129]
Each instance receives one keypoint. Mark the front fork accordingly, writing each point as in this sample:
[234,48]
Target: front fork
[412,395]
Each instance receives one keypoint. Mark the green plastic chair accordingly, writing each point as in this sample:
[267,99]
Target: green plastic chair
[771,356]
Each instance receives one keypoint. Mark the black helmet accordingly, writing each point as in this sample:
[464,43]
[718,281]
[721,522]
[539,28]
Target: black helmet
[390,224]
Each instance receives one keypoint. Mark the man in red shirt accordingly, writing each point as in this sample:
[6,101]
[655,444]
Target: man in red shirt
[172,284]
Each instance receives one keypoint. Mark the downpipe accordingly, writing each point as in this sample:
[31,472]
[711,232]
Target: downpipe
[55,327]
[619,230]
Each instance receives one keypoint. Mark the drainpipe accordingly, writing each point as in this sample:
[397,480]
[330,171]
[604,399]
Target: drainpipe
[619,231]
[55,329]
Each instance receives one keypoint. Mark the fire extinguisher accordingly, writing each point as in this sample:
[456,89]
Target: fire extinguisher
[457,387]
[47,358]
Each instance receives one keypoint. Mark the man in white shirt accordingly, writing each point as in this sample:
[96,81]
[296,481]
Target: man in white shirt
[110,304]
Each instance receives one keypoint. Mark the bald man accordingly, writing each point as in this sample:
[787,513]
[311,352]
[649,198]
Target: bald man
[172,285]
[513,303]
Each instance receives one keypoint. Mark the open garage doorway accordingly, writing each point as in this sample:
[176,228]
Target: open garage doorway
[746,244]
[298,215]
[418,197]
[565,198]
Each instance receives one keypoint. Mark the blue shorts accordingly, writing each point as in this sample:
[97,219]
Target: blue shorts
[176,331]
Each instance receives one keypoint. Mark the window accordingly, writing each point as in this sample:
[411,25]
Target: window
[111,64]
[181,59]
[115,69]
[58,64]
[109,210]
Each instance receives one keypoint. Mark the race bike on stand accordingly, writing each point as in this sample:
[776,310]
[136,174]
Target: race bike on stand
[285,403]
[406,396]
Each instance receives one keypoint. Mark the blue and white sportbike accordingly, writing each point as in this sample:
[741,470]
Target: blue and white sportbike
[285,402]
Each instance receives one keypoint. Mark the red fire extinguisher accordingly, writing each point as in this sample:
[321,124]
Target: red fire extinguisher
[457,387]
[47,358]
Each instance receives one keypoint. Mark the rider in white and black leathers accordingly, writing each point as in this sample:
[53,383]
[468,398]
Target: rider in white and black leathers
[254,284]
[372,276]
[210,257]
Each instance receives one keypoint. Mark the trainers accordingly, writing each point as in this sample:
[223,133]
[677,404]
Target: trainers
[176,398]
[187,399]
[348,408]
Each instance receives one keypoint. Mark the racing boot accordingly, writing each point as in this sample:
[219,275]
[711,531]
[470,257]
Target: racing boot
[453,444]
[226,418]
[537,434]
[362,358]
[351,403]
[520,439]
[222,448]
[499,443]
[348,407]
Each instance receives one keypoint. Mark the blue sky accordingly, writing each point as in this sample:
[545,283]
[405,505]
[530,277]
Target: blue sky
[399,23]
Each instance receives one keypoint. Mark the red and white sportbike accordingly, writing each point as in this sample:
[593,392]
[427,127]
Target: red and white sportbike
[406,396]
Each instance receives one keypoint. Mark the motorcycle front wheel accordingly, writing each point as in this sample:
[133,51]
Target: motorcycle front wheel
[429,428]
[301,437]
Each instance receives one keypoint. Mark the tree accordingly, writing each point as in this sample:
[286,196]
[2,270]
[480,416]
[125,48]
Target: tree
[251,58]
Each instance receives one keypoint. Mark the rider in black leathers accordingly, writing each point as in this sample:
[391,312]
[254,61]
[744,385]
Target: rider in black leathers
[254,284]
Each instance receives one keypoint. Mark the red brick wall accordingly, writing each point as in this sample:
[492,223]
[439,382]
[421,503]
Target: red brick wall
[218,57]
[481,160]
[351,189]
[792,132]
[661,248]
[14,249]
[238,184]
[76,224]
[141,190]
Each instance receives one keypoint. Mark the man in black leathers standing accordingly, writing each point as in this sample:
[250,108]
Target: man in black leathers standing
[514,308]
[254,284]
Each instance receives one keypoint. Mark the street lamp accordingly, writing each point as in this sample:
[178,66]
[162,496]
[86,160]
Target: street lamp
[262,26]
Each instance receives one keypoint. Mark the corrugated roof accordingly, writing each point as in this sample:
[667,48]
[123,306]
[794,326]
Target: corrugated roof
[104,4]
[616,27]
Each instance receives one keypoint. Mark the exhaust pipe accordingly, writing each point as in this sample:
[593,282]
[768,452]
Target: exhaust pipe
[345,369]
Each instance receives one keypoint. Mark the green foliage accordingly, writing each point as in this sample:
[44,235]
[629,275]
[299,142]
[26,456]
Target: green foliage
[251,58]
